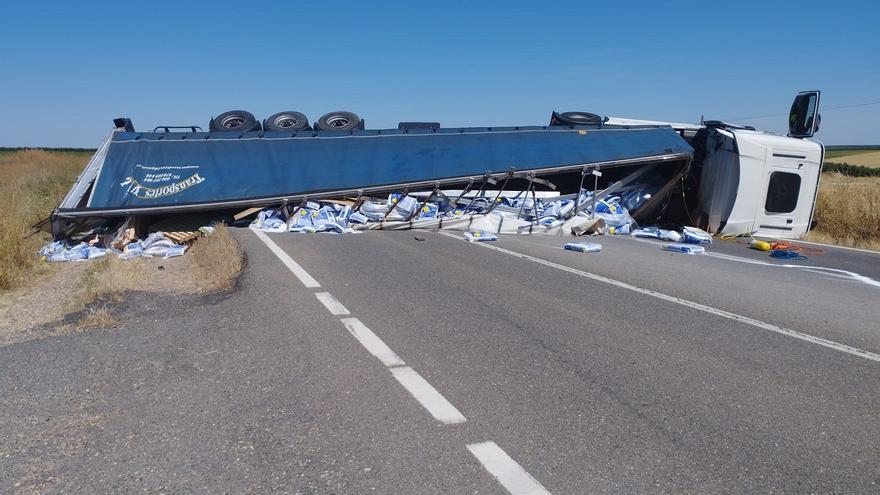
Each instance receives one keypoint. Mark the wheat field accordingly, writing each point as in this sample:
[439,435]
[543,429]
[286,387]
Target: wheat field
[32,182]
[859,157]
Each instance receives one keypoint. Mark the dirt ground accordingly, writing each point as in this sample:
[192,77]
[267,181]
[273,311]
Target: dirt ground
[82,295]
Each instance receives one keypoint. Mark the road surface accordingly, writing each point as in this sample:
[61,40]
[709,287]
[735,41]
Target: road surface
[380,363]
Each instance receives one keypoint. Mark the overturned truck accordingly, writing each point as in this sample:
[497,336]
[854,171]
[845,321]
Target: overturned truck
[240,163]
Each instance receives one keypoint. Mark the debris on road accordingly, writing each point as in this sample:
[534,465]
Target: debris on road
[124,243]
[657,233]
[784,254]
[480,236]
[759,245]
[583,247]
[693,235]
[683,248]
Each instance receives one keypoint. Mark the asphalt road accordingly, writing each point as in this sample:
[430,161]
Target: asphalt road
[379,363]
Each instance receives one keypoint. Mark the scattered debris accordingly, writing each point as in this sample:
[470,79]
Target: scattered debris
[123,244]
[759,245]
[784,254]
[693,235]
[583,247]
[245,213]
[182,229]
[480,236]
[656,233]
[683,248]
[584,226]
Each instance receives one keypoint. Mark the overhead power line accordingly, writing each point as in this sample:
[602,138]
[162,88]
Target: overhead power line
[821,109]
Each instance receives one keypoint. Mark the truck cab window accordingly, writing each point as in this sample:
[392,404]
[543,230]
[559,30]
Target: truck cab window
[782,192]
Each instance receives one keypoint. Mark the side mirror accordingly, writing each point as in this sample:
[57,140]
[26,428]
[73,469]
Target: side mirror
[803,119]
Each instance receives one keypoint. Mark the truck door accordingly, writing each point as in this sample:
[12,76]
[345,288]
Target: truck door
[781,202]
[790,178]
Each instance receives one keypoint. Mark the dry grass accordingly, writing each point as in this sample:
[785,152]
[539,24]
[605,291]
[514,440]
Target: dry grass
[216,260]
[92,288]
[34,293]
[99,317]
[110,277]
[848,211]
[212,264]
[32,183]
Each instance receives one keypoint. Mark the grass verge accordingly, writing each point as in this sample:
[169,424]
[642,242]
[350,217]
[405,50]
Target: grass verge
[216,260]
[212,264]
[32,182]
[34,293]
[848,211]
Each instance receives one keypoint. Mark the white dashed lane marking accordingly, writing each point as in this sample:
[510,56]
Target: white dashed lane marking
[293,266]
[371,342]
[428,396]
[437,405]
[508,472]
[331,303]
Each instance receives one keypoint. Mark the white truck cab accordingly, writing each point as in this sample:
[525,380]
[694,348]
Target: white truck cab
[775,189]
[744,181]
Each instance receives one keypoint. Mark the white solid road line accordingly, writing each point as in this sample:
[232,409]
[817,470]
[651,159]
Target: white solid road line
[332,304]
[427,395]
[833,246]
[371,342]
[684,302]
[507,471]
[294,267]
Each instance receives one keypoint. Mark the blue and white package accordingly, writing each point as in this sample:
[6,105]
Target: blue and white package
[375,211]
[357,217]
[405,206]
[303,221]
[693,235]
[552,210]
[480,236]
[647,232]
[430,210]
[670,235]
[566,207]
[270,221]
[325,219]
[583,247]
[176,250]
[683,248]
[97,252]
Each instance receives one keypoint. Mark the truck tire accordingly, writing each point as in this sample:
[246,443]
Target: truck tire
[287,121]
[339,121]
[235,120]
[579,118]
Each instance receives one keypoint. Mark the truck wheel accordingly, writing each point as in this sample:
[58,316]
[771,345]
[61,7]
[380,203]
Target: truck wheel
[287,121]
[580,118]
[339,121]
[235,120]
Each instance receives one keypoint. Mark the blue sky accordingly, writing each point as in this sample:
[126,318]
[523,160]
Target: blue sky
[67,69]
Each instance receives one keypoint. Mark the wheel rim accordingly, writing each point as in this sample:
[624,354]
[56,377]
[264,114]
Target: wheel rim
[286,122]
[233,121]
[338,121]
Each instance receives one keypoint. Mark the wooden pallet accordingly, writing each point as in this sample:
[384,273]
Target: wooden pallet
[181,229]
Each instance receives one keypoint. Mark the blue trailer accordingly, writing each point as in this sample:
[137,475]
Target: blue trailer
[151,173]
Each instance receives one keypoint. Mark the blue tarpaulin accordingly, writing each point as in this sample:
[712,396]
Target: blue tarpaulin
[176,169]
